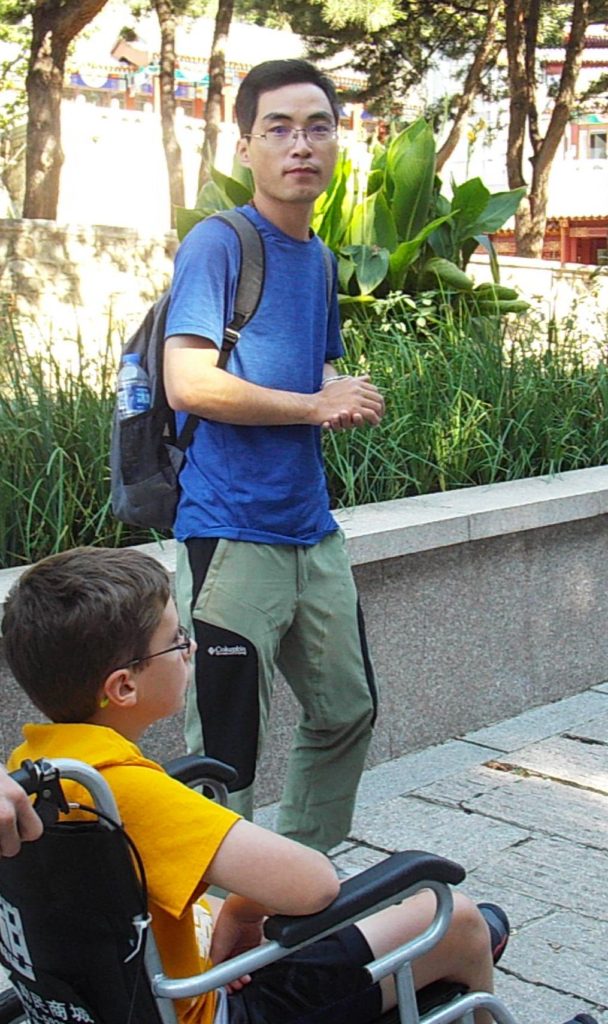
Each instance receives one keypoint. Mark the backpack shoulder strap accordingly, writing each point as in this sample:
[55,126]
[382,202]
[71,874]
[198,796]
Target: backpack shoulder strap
[251,277]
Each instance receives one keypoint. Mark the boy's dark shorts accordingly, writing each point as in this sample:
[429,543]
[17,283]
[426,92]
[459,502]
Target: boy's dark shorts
[321,984]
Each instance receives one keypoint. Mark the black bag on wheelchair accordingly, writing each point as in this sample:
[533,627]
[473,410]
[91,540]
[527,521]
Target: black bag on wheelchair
[71,918]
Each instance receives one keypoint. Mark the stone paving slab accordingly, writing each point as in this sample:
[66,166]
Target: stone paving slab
[539,723]
[410,772]
[357,858]
[406,823]
[521,910]
[601,687]
[467,786]
[595,730]
[561,874]
[566,951]
[540,805]
[566,759]
[540,1004]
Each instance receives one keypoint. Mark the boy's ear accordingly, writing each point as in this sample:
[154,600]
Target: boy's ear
[119,689]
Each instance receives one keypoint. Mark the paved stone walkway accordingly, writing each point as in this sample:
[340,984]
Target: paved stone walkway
[523,805]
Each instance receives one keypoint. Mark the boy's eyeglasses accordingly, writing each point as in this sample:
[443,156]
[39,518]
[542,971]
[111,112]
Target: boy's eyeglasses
[185,643]
[281,135]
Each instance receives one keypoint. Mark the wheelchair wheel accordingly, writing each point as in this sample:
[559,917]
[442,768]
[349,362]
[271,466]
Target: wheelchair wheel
[11,1009]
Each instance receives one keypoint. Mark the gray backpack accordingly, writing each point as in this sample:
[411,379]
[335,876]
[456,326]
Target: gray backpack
[146,452]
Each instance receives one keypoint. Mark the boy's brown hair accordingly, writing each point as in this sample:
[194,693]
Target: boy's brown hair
[74,617]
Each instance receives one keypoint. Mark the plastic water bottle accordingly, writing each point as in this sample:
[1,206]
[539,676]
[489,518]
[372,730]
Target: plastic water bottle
[133,387]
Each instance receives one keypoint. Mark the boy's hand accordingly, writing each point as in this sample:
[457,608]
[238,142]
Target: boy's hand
[237,929]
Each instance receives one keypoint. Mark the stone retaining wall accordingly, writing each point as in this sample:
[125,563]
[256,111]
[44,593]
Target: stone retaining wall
[479,603]
[69,282]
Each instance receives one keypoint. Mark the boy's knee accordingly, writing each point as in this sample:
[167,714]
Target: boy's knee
[470,928]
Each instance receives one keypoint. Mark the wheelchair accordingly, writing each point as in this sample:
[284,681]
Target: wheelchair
[74,935]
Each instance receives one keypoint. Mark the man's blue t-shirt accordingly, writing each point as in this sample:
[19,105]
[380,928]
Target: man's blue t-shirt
[252,483]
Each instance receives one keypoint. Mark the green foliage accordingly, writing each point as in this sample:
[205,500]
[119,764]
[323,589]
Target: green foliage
[370,15]
[13,105]
[13,68]
[54,474]
[555,16]
[14,12]
[394,54]
[220,193]
[425,238]
[465,404]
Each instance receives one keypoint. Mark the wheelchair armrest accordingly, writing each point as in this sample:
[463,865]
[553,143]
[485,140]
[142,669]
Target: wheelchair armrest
[380,883]
[192,768]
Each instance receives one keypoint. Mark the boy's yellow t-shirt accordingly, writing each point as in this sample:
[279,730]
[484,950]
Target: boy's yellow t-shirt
[176,830]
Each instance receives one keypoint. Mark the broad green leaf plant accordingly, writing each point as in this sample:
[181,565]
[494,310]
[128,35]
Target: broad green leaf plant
[395,231]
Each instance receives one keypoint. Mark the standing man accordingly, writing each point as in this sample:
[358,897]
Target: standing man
[262,571]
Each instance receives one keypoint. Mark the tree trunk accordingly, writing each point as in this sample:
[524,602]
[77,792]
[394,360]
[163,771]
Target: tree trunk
[522,27]
[53,29]
[519,93]
[173,153]
[484,58]
[518,90]
[217,78]
[531,217]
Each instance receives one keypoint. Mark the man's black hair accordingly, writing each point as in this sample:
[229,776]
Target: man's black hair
[274,74]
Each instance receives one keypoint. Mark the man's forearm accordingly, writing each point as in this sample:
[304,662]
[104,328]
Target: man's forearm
[217,395]
[196,385]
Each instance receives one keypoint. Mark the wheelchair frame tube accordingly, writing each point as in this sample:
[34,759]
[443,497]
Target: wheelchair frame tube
[153,963]
[94,783]
[406,994]
[197,984]
[245,963]
[391,962]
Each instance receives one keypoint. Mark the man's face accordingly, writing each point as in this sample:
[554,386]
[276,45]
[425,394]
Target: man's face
[294,170]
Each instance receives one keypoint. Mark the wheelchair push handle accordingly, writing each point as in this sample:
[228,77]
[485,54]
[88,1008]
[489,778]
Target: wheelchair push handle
[33,776]
[42,780]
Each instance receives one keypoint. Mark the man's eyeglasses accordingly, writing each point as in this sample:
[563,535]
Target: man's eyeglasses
[185,643]
[281,135]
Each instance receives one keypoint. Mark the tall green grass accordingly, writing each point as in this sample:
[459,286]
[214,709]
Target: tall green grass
[54,430]
[465,405]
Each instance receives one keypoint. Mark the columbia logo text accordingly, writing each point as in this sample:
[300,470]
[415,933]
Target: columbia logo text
[223,651]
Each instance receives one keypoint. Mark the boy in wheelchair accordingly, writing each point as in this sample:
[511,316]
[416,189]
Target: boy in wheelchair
[92,637]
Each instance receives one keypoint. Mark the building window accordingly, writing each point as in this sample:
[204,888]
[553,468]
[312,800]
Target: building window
[597,144]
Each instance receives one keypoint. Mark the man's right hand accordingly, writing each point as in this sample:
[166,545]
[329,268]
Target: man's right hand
[347,403]
[18,820]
